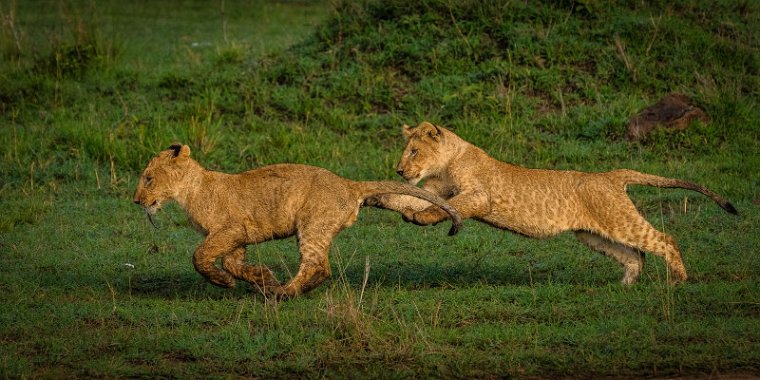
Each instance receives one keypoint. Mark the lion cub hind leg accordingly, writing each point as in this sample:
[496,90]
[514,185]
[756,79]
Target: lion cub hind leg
[314,245]
[632,259]
[664,245]
[639,234]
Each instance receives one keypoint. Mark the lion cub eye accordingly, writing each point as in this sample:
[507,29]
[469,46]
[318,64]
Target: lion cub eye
[148,180]
[413,152]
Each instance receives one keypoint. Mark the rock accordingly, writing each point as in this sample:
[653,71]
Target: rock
[674,111]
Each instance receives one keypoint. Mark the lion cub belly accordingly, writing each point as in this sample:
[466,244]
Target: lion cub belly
[538,217]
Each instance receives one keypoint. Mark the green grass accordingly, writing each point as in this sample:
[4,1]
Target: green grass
[89,91]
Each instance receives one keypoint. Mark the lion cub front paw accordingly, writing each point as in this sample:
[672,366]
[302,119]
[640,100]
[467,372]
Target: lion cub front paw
[408,215]
[429,216]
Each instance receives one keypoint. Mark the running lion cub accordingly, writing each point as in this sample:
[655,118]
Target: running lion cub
[536,203]
[271,202]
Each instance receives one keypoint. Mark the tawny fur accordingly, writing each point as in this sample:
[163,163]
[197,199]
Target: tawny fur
[536,203]
[272,202]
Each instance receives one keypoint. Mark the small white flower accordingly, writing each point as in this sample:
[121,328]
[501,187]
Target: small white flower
[130,266]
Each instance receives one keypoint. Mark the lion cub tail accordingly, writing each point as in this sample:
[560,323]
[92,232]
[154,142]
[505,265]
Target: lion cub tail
[638,178]
[374,188]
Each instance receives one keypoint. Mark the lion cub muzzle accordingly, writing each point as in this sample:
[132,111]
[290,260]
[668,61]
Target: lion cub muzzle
[411,179]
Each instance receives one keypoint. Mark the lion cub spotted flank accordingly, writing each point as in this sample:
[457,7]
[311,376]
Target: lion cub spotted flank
[536,203]
[271,202]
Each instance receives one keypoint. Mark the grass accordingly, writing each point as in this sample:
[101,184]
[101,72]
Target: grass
[90,91]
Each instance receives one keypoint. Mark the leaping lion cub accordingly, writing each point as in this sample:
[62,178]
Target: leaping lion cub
[536,203]
[271,202]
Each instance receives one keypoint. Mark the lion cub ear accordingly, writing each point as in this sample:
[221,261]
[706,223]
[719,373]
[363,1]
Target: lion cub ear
[430,130]
[407,132]
[185,151]
[180,150]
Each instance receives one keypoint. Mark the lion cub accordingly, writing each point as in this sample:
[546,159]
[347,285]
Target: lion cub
[271,202]
[536,203]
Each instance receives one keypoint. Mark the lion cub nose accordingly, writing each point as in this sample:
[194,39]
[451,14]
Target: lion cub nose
[137,201]
[400,172]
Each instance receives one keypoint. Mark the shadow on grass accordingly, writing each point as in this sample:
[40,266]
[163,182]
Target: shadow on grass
[383,276]
[186,285]
[447,275]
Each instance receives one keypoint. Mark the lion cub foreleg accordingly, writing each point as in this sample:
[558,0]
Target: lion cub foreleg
[205,256]
[408,205]
[259,276]
[468,204]
[405,204]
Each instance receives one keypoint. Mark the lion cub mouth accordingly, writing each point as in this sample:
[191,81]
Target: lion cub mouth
[151,210]
[412,180]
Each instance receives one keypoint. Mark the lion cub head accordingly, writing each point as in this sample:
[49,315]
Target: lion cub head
[427,153]
[162,178]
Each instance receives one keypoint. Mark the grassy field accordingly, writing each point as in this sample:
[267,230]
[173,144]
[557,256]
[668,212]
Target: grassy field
[89,91]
